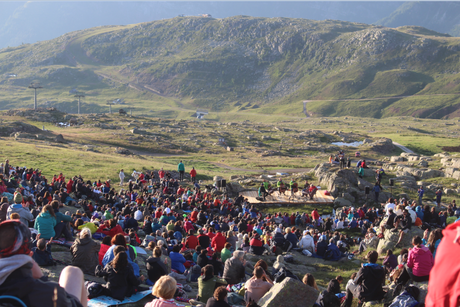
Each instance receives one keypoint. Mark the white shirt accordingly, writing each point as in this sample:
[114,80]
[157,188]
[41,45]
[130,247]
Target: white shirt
[167,210]
[389,206]
[121,175]
[307,242]
[339,225]
[138,215]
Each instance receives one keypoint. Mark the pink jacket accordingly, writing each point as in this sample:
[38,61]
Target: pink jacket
[420,260]
[161,303]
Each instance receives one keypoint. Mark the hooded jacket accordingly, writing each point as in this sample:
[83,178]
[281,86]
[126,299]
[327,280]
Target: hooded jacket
[420,260]
[370,279]
[25,215]
[155,268]
[45,224]
[177,262]
[308,243]
[85,254]
[233,271]
[16,280]
[218,242]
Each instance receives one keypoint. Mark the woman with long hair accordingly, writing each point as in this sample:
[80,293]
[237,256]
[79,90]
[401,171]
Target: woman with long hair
[120,277]
[433,240]
[45,222]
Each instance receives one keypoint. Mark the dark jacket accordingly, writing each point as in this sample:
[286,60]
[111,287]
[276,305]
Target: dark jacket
[204,240]
[202,260]
[43,258]
[334,286]
[292,238]
[370,279]
[120,283]
[233,271]
[85,254]
[279,239]
[155,268]
[34,292]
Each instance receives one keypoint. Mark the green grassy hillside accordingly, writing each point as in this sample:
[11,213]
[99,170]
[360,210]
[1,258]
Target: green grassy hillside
[242,65]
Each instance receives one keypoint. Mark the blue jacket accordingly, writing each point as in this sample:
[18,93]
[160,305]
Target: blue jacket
[292,238]
[45,223]
[336,253]
[177,262]
[108,257]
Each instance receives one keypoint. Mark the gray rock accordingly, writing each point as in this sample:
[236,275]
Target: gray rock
[59,138]
[391,238]
[289,293]
[396,159]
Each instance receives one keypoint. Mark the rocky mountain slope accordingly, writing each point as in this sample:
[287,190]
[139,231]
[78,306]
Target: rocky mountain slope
[340,68]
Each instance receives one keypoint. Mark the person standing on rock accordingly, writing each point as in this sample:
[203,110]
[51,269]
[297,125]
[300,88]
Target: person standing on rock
[420,193]
[181,170]
[6,169]
[122,177]
[438,197]
[193,175]
[377,189]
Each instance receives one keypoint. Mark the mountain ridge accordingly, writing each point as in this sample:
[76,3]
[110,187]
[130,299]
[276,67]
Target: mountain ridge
[249,64]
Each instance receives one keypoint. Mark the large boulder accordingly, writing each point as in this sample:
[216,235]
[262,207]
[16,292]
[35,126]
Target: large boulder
[391,238]
[59,138]
[289,293]
[233,189]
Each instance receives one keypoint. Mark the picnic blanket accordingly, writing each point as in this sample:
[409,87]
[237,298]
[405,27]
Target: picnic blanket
[105,301]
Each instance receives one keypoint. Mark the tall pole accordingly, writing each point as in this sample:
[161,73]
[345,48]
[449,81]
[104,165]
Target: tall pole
[35,86]
[79,95]
[110,103]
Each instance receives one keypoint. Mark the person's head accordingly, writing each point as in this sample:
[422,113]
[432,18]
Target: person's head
[49,209]
[119,239]
[228,245]
[258,272]
[309,280]
[389,252]
[176,248]
[41,244]
[165,287]
[14,238]
[403,251]
[339,278]
[220,294]
[107,240]
[208,271]
[120,261]
[85,233]
[15,216]
[372,256]
[416,241]
[261,263]
[55,205]
[157,252]
[118,249]
[238,254]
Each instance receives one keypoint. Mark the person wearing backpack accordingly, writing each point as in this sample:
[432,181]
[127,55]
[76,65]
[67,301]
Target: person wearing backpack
[370,278]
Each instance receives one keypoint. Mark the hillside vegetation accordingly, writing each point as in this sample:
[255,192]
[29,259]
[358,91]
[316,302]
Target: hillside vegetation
[241,65]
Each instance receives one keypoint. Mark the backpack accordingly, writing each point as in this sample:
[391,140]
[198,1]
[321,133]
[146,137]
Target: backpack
[329,300]
[282,274]
[94,289]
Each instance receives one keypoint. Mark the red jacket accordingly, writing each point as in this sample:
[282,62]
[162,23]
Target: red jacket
[194,216]
[444,284]
[315,215]
[102,251]
[69,186]
[218,242]
[191,242]
[112,232]
[193,173]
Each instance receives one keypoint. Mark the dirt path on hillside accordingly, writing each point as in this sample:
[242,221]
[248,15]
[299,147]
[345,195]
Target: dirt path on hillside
[405,149]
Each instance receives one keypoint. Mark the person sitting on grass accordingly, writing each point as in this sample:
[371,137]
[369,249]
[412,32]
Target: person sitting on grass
[207,282]
[22,278]
[119,274]
[42,253]
[219,298]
